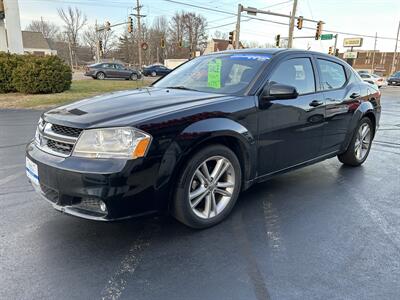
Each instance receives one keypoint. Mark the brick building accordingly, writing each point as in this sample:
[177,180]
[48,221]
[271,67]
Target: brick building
[382,62]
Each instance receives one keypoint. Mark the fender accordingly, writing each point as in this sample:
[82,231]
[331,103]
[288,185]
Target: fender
[364,108]
[200,132]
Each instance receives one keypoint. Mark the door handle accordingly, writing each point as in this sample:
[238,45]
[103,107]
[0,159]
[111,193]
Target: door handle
[354,95]
[316,103]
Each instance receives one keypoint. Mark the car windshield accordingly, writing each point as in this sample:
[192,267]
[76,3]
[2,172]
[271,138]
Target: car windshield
[223,73]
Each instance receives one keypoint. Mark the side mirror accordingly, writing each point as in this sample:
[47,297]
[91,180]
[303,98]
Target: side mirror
[279,91]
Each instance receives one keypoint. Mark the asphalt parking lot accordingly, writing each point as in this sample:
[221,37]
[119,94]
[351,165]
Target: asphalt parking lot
[322,232]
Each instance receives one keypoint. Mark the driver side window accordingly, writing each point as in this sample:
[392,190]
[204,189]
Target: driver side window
[297,72]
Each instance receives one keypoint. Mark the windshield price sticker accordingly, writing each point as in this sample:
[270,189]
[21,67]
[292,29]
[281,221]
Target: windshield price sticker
[214,74]
[251,57]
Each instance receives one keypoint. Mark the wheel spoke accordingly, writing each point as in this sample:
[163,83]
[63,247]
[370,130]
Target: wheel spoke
[214,204]
[199,199]
[364,132]
[223,192]
[205,172]
[218,167]
[207,207]
[225,184]
[196,193]
[201,177]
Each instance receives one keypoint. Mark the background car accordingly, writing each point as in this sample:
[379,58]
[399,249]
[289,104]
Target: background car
[156,70]
[394,79]
[373,79]
[111,70]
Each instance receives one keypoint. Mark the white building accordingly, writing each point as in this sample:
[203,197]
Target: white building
[35,43]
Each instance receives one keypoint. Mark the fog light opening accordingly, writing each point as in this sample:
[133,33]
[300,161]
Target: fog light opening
[103,206]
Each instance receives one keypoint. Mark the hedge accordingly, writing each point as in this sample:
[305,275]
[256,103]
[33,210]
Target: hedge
[33,75]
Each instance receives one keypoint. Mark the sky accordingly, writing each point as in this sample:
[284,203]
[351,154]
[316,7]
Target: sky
[365,17]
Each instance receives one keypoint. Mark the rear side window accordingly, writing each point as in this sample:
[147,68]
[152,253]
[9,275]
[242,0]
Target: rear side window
[333,75]
[297,72]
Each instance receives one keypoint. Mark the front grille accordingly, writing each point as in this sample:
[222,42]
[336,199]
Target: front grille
[57,139]
[63,148]
[64,130]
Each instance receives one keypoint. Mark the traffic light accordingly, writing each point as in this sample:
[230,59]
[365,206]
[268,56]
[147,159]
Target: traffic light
[337,52]
[130,25]
[300,22]
[277,40]
[180,44]
[100,45]
[231,37]
[2,13]
[162,43]
[330,51]
[319,30]
[107,26]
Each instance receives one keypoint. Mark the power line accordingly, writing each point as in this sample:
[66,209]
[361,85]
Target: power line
[270,21]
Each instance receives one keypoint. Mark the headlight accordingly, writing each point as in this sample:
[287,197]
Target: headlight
[121,142]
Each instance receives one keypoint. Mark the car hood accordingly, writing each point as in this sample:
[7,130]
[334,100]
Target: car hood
[127,107]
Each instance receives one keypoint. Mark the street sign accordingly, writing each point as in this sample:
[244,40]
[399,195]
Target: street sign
[352,42]
[325,37]
[350,55]
[145,46]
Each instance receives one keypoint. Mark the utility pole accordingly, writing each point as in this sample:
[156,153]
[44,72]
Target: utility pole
[138,7]
[291,24]
[373,54]
[335,45]
[97,44]
[393,69]
[237,35]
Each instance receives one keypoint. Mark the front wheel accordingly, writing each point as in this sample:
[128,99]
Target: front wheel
[100,76]
[153,74]
[208,187]
[360,144]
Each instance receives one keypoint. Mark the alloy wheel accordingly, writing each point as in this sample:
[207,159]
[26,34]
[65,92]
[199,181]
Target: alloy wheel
[211,187]
[363,141]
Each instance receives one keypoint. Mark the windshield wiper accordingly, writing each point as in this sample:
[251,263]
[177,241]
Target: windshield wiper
[180,87]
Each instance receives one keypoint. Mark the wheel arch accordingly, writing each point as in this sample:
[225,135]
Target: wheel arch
[201,134]
[366,109]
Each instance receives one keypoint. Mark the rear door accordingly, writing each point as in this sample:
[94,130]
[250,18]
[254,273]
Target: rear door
[342,95]
[290,131]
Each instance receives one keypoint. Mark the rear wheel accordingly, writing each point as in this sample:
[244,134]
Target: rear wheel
[208,187]
[133,77]
[360,144]
[100,76]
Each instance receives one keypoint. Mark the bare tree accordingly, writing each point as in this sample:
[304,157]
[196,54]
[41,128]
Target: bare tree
[188,28]
[90,38]
[74,20]
[220,35]
[49,30]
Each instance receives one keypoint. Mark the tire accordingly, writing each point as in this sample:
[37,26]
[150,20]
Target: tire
[197,215]
[355,158]
[153,74]
[100,76]
[133,77]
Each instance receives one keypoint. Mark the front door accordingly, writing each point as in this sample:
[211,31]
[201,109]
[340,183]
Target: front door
[290,130]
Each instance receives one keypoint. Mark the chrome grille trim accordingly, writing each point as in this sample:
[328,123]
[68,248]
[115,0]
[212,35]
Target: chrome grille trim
[55,143]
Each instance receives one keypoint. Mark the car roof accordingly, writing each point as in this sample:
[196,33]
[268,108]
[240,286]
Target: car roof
[274,51]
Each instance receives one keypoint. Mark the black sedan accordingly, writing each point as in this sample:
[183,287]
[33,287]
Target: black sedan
[394,79]
[156,70]
[111,70]
[199,136]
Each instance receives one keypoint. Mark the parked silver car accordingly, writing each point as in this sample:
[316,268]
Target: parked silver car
[111,70]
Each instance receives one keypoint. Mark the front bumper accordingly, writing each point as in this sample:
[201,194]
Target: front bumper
[77,186]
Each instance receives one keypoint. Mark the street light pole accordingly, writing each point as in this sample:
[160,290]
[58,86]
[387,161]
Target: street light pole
[373,54]
[291,24]
[237,35]
[393,68]
[139,33]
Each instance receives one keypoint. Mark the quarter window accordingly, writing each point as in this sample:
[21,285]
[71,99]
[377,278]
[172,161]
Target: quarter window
[296,72]
[333,75]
